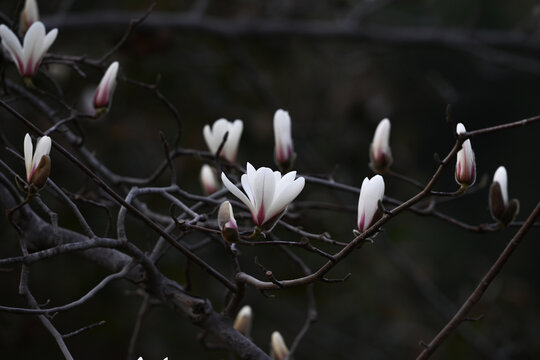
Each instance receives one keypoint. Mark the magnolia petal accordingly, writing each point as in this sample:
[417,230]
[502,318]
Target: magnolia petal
[220,128]
[263,191]
[28,149]
[207,134]
[13,46]
[235,133]
[501,177]
[49,39]
[371,192]
[250,178]
[236,192]
[284,181]
[247,188]
[43,147]
[32,47]
[361,204]
[286,197]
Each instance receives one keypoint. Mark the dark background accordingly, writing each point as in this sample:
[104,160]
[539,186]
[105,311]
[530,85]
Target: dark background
[336,87]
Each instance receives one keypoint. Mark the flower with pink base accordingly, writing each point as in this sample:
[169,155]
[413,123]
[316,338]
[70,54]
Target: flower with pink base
[267,193]
[28,56]
[371,192]
[105,90]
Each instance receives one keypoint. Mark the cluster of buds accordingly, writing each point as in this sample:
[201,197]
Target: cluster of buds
[242,324]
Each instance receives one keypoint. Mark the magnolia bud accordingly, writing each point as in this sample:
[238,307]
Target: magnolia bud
[242,323]
[29,14]
[502,209]
[38,163]
[209,180]
[279,350]
[284,154]
[380,154]
[371,192]
[465,165]
[227,223]
[105,90]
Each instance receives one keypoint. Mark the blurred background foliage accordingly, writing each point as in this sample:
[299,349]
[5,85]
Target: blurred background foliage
[405,286]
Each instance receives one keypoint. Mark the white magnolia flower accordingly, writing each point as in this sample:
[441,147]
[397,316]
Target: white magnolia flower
[371,192]
[29,14]
[502,208]
[268,194]
[105,90]
[36,43]
[279,350]
[242,323]
[379,151]
[227,223]
[209,180]
[465,165]
[32,160]
[214,137]
[283,153]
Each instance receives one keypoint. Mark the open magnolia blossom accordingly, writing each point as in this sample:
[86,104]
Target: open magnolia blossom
[278,349]
[268,194]
[36,43]
[284,153]
[465,165]
[38,163]
[227,223]
[107,85]
[502,209]
[214,137]
[379,151]
[29,14]
[371,192]
[242,323]
[209,180]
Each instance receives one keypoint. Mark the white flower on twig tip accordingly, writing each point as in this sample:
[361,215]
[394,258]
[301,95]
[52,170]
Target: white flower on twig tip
[107,85]
[502,208]
[37,163]
[379,151]
[214,137]
[36,43]
[371,192]
[465,165]
[283,153]
[29,14]
[268,193]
